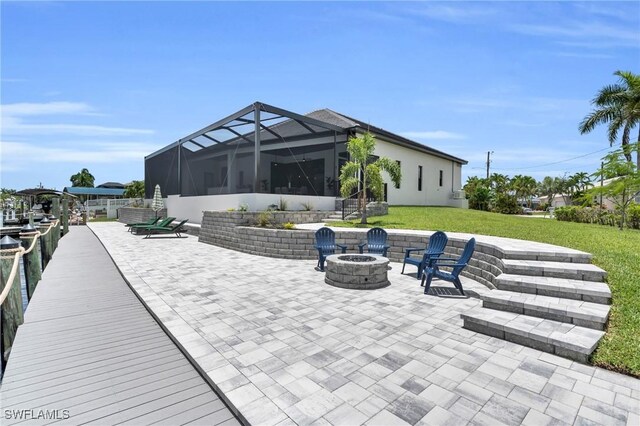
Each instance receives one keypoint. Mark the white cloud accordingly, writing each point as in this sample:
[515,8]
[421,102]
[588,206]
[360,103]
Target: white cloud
[449,13]
[13,120]
[435,134]
[47,108]
[86,153]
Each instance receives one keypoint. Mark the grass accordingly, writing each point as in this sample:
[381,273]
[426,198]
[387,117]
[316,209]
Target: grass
[617,252]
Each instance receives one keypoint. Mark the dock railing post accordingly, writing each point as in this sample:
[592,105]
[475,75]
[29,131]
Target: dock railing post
[31,222]
[65,216]
[45,241]
[12,315]
[55,233]
[31,260]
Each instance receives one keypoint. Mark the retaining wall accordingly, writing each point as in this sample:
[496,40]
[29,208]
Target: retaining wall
[138,215]
[230,230]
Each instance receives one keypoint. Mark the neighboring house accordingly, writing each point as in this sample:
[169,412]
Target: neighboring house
[263,153]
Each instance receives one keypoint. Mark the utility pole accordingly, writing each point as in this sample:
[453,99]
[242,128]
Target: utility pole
[488,162]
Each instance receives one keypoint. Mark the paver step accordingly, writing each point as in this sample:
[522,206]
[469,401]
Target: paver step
[566,340]
[589,291]
[577,312]
[576,271]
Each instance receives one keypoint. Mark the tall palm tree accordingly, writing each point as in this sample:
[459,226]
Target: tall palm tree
[83,179]
[361,172]
[617,105]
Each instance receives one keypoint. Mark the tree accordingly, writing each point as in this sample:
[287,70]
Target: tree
[550,187]
[617,105]
[135,189]
[364,173]
[624,181]
[525,187]
[83,179]
[478,193]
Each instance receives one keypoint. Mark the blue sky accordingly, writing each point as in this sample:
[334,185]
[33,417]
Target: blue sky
[101,85]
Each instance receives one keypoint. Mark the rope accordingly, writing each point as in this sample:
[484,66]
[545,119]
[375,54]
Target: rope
[47,231]
[16,261]
[33,243]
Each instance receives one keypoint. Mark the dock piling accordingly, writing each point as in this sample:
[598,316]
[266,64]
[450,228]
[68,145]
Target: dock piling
[65,216]
[12,315]
[45,241]
[31,260]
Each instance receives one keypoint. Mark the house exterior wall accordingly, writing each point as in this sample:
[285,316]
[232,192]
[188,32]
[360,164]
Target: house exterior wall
[432,194]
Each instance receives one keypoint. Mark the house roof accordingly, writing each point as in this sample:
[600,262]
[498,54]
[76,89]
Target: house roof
[78,190]
[346,122]
[117,185]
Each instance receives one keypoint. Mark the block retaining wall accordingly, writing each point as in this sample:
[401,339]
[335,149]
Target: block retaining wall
[230,230]
[138,215]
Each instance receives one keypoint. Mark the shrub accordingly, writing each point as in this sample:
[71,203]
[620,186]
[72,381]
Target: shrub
[264,219]
[506,204]
[633,216]
[307,206]
[289,225]
[243,207]
[282,204]
[597,215]
[231,209]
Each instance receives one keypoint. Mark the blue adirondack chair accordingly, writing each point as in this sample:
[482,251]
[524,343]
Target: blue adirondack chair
[326,245]
[435,248]
[457,265]
[376,242]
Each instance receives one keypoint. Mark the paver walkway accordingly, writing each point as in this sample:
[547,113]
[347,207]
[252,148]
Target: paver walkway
[286,348]
[89,352]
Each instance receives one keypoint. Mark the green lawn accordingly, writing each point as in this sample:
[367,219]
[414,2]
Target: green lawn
[614,251]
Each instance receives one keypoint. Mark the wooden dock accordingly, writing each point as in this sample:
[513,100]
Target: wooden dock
[89,352]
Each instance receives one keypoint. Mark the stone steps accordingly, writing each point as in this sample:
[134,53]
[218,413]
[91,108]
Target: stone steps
[560,338]
[575,271]
[577,312]
[589,291]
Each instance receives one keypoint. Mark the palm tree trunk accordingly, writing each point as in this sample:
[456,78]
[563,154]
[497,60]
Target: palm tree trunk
[364,201]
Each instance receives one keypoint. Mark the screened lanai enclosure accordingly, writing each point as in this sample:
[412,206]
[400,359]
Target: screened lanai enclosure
[260,149]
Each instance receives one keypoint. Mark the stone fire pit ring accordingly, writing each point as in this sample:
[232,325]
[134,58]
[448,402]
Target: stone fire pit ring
[357,271]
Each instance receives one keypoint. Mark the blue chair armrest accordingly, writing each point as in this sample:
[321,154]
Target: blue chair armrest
[361,247]
[408,251]
[438,263]
[342,247]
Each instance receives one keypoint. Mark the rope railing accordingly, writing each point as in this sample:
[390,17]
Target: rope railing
[16,254]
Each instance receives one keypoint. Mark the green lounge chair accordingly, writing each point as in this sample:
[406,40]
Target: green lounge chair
[177,229]
[147,223]
[164,222]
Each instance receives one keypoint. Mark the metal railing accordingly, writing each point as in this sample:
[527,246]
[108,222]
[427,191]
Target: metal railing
[349,206]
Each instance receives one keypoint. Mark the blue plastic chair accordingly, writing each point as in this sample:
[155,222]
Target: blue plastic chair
[326,245]
[435,248]
[457,265]
[376,242]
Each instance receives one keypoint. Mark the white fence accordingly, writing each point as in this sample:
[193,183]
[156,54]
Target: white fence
[110,206]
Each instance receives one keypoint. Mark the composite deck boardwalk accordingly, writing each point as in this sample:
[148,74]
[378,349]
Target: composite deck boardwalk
[89,352]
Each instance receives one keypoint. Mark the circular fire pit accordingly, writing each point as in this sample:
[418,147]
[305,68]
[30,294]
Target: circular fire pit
[357,271]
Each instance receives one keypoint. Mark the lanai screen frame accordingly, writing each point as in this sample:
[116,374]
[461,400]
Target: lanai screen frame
[239,120]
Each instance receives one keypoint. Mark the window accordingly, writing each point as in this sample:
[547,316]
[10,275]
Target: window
[441,177]
[399,165]
[419,178]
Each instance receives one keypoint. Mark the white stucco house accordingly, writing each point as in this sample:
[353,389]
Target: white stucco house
[262,153]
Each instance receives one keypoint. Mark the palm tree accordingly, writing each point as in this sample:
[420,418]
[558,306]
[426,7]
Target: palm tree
[83,179]
[135,189]
[617,105]
[361,172]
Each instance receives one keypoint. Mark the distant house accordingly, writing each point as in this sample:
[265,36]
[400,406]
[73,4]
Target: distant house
[263,153]
[562,200]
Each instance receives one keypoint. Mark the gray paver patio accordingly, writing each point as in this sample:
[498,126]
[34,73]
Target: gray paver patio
[285,347]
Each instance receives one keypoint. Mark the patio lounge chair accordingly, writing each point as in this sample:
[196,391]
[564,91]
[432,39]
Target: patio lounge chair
[164,222]
[457,265]
[326,245]
[147,223]
[376,242]
[176,229]
[435,248]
